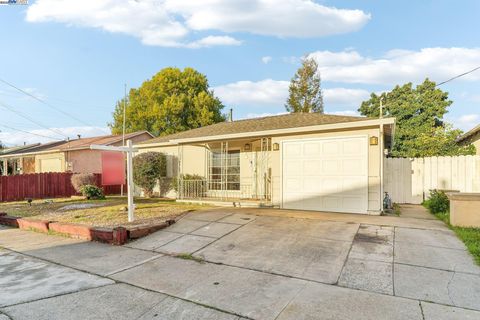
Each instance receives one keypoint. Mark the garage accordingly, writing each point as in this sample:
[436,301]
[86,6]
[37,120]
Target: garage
[51,165]
[326,174]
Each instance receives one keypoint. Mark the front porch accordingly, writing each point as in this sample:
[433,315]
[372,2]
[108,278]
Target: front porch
[235,172]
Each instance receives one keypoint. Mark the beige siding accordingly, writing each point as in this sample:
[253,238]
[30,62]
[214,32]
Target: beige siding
[476,143]
[194,162]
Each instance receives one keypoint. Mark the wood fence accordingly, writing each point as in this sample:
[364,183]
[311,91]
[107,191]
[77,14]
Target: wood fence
[43,185]
[410,180]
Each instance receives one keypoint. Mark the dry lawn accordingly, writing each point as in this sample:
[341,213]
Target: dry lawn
[101,213]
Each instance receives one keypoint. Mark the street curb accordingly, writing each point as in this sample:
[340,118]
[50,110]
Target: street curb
[116,235]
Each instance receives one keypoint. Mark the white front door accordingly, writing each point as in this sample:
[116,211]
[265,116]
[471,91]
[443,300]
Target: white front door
[327,174]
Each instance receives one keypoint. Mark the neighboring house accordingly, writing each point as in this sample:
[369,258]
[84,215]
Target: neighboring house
[471,137]
[63,156]
[306,161]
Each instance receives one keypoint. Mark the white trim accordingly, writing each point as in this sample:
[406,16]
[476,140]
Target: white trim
[366,136]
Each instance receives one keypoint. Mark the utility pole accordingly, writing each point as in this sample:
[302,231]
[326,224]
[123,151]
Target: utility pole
[381,107]
[123,128]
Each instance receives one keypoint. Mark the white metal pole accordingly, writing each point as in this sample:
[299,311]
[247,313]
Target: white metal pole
[123,127]
[131,209]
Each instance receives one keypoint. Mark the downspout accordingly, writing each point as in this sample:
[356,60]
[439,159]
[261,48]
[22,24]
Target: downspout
[382,147]
[382,158]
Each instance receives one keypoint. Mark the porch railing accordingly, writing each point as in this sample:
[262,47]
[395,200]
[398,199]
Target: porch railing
[203,189]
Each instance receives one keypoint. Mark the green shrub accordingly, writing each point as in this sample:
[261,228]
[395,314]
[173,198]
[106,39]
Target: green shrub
[438,202]
[148,168]
[92,192]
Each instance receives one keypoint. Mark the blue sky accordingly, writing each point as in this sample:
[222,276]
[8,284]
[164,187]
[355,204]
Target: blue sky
[77,55]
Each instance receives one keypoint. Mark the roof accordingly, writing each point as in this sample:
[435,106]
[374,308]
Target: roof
[17,148]
[286,121]
[77,144]
[84,143]
[31,148]
[469,134]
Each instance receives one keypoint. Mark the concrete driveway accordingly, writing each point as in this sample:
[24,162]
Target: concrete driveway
[248,263]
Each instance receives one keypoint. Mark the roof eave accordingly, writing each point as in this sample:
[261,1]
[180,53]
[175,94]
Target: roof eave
[316,128]
[467,135]
[17,155]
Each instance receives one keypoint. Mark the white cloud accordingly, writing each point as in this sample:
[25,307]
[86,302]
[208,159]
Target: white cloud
[11,137]
[398,66]
[465,122]
[344,97]
[264,92]
[275,93]
[288,18]
[169,23]
[346,113]
[264,114]
[266,59]
[211,41]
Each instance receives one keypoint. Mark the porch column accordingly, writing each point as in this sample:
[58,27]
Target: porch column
[5,167]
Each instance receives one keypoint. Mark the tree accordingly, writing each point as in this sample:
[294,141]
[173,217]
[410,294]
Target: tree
[305,93]
[172,101]
[148,169]
[421,130]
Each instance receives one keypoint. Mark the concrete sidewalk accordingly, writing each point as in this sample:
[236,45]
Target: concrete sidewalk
[247,263]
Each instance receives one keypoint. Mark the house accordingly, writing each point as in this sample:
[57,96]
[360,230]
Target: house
[471,137]
[306,161]
[63,156]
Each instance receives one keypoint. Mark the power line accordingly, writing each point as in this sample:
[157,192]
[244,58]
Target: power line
[35,134]
[460,75]
[44,102]
[30,119]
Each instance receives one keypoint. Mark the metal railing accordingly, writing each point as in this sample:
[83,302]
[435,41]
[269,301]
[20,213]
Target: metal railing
[203,189]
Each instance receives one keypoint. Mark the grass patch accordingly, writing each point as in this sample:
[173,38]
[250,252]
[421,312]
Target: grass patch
[469,236]
[396,209]
[188,256]
[110,212]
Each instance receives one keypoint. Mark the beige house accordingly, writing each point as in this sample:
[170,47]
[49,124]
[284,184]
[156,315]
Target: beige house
[471,137]
[305,161]
[63,156]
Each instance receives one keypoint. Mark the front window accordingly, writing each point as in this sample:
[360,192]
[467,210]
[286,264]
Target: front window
[224,171]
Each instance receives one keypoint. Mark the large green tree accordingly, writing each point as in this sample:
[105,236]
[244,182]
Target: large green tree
[172,101]
[305,93]
[421,130]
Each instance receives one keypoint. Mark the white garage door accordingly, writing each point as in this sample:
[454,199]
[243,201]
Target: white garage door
[50,165]
[326,174]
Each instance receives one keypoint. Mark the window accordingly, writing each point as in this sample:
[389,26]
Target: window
[224,173]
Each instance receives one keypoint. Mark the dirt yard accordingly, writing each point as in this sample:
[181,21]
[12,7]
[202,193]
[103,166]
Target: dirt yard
[101,213]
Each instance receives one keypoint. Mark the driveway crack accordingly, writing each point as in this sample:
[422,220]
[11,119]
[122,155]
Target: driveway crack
[448,289]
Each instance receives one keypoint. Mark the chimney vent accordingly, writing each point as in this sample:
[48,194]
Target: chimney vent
[230,116]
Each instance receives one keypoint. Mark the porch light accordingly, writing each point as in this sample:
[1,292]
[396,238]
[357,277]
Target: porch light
[276,146]
[247,147]
[373,141]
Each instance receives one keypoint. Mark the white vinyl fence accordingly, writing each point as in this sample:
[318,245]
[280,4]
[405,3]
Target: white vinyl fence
[409,180]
